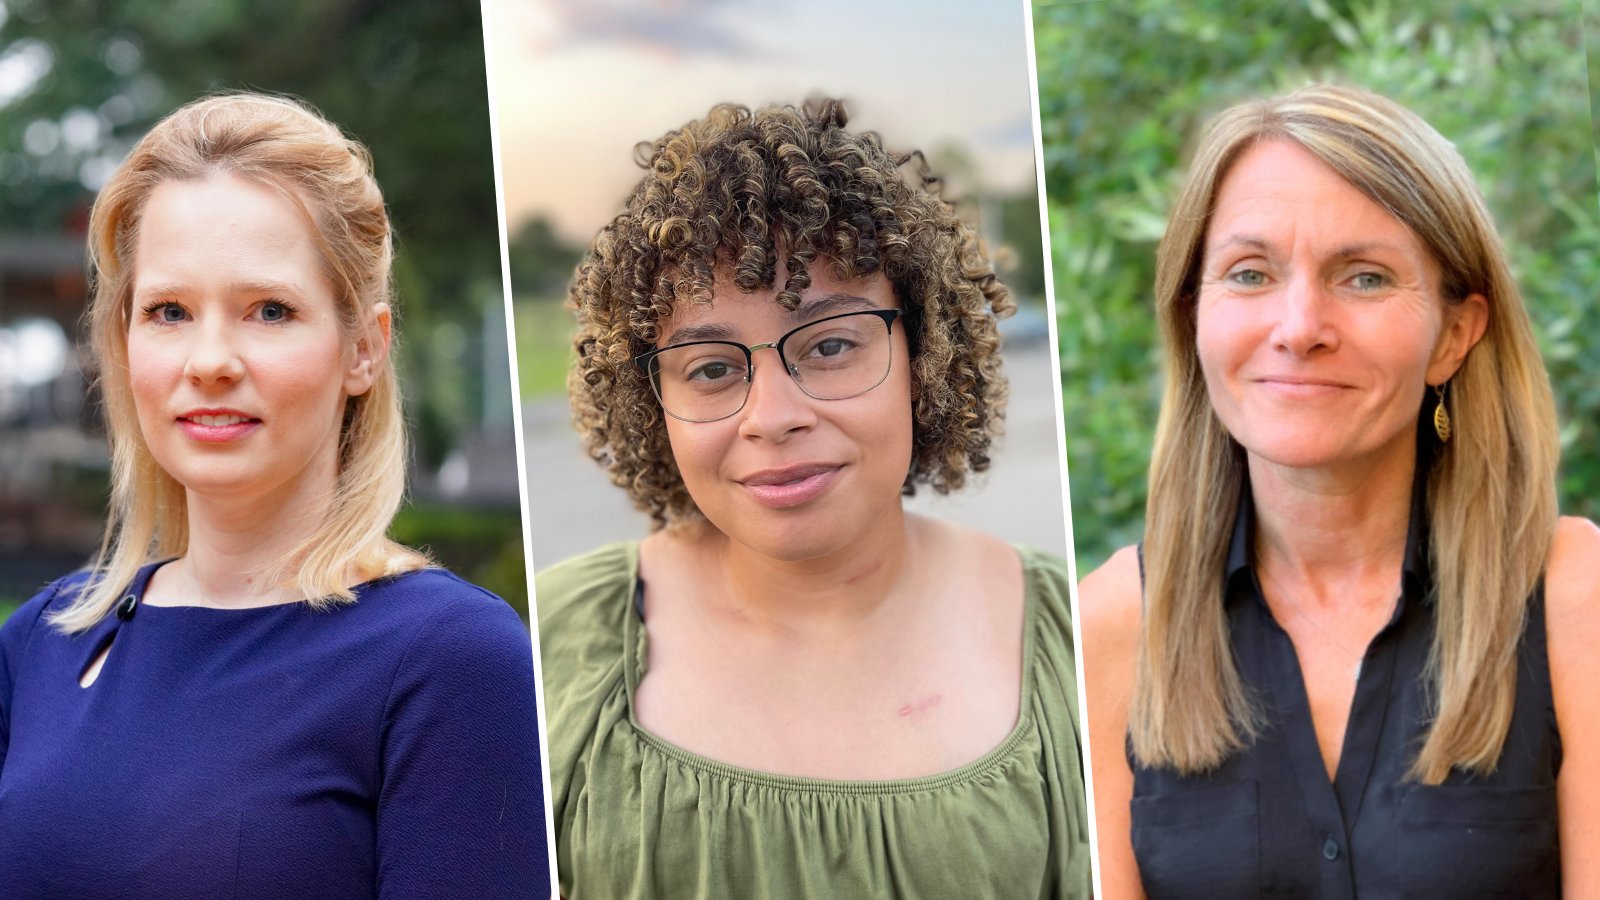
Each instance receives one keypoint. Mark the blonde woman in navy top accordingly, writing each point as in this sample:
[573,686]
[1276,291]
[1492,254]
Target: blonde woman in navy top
[1354,657]
[252,692]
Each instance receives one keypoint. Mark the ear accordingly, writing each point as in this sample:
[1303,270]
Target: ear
[371,352]
[1464,324]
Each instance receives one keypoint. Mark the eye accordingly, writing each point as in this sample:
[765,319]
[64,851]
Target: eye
[1368,281]
[836,342]
[831,347]
[714,370]
[710,371]
[165,312]
[275,311]
[1247,277]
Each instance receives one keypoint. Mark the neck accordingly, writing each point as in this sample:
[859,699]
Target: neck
[840,592]
[237,540]
[1329,532]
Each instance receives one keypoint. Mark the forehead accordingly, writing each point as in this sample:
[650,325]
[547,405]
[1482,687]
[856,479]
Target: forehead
[757,316]
[1278,192]
[223,228]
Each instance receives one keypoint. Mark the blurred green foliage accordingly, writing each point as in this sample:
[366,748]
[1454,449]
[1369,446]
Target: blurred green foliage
[542,262]
[544,346]
[1124,89]
[482,546]
[406,78]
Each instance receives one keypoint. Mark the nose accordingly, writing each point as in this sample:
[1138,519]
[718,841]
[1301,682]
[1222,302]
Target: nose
[1305,323]
[214,356]
[776,407]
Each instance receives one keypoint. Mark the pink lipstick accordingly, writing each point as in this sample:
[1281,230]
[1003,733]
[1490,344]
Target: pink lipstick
[215,426]
[790,486]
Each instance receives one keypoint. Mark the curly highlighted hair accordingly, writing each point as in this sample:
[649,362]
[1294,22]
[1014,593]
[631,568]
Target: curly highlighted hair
[722,197]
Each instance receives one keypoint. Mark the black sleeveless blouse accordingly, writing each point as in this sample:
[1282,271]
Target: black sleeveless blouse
[1267,822]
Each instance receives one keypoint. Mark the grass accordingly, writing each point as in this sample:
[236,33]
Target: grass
[544,346]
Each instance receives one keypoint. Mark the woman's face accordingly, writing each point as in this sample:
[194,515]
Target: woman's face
[790,476]
[1320,321]
[238,364]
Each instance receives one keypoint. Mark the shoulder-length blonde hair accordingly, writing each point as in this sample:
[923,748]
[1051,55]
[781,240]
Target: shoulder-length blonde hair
[283,145]
[1490,493]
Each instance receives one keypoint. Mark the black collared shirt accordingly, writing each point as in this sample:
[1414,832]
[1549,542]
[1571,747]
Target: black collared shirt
[1267,822]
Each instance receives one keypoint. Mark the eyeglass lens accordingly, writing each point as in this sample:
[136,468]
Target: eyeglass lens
[830,359]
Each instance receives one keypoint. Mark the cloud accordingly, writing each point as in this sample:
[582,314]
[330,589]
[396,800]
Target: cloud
[675,28]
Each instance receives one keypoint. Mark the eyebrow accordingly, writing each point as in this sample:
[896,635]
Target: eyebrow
[827,305]
[1364,248]
[813,308]
[252,286]
[1245,240]
[1345,251]
[704,331]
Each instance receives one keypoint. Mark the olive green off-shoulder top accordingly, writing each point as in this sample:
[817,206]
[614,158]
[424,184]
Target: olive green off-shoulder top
[636,816]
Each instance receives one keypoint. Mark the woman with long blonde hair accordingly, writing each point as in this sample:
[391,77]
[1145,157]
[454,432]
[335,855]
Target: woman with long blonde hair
[1351,655]
[252,691]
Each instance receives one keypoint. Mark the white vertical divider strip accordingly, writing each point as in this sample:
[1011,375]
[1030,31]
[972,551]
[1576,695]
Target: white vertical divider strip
[1061,435]
[516,424]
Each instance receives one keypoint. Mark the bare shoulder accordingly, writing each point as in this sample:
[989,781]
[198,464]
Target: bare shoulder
[956,546]
[1110,600]
[1572,624]
[1572,588]
[1110,607]
[1572,629]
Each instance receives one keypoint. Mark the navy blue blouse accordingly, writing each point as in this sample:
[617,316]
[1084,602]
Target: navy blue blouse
[387,748]
[1268,822]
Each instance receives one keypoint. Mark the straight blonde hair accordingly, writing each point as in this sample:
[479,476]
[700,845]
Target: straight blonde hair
[284,145]
[1490,493]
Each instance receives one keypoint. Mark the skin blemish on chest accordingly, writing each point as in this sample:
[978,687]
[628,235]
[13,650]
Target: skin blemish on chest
[918,709]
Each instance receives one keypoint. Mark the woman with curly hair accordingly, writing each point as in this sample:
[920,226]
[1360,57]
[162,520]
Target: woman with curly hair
[252,691]
[793,687]
[1355,656]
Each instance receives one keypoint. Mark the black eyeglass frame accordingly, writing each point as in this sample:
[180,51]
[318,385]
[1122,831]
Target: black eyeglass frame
[643,360]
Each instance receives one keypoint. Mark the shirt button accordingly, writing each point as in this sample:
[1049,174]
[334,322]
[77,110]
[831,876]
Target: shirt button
[1330,850]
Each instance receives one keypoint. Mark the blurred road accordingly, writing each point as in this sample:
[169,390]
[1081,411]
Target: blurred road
[574,507]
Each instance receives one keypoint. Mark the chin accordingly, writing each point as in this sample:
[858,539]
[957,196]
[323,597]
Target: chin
[792,548]
[790,541]
[199,475]
[1304,454]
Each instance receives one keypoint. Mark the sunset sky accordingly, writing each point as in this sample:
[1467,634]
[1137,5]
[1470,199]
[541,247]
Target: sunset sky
[579,82]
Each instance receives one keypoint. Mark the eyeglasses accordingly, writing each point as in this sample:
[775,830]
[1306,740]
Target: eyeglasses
[834,358]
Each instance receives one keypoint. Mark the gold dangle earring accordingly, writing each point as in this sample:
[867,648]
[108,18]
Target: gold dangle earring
[1441,417]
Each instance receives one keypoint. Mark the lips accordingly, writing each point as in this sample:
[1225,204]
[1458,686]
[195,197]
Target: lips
[216,421]
[217,425]
[791,485]
[1300,385]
